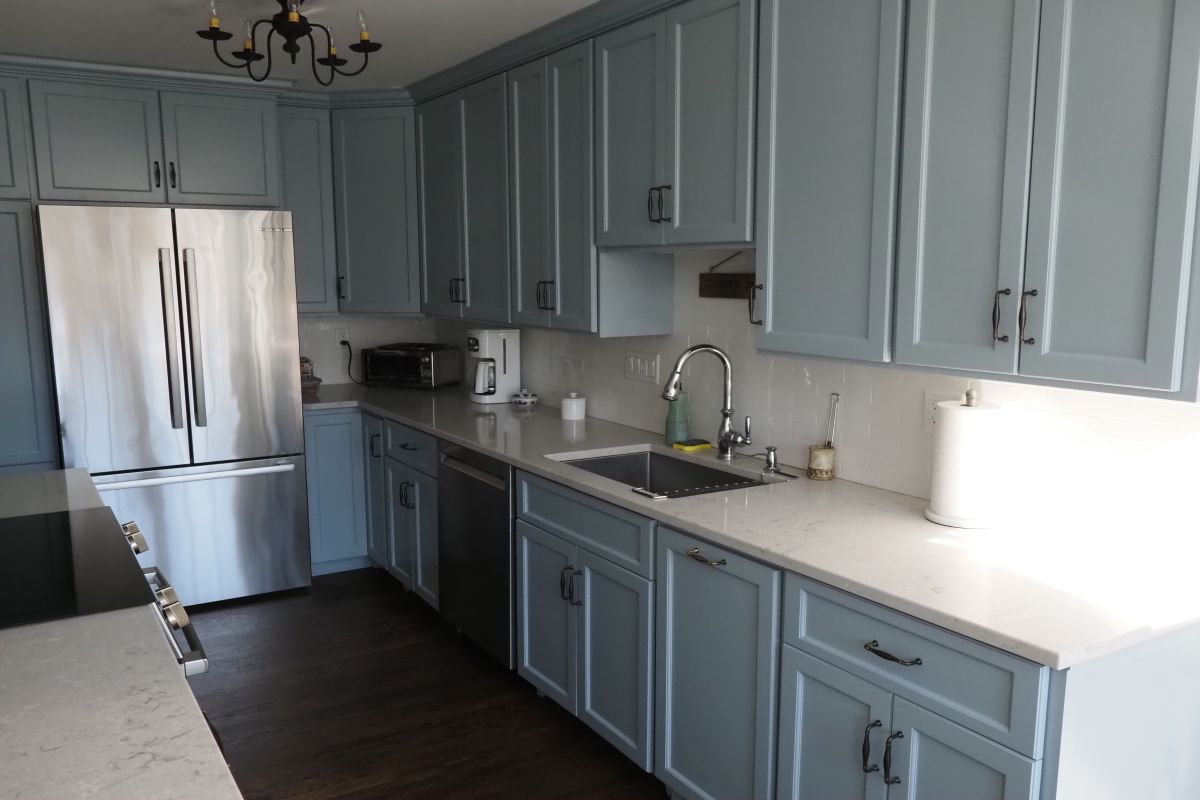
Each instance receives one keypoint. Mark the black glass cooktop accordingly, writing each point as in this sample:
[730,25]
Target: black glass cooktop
[66,564]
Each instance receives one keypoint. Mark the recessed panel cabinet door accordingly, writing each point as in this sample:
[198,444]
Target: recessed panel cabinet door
[399,521]
[547,625]
[965,182]
[335,472]
[304,139]
[220,150]
[422,501]
[529,162]
[96,142]
[1113,199]
[439,131]
[14,165]
[827,162]
[631,129]
[485,200]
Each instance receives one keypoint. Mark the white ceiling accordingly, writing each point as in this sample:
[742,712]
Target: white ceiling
[419,37]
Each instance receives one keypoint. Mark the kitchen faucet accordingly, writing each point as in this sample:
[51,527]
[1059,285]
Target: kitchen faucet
[727,437]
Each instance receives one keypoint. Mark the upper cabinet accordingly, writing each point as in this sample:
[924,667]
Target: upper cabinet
[674,127]
[827,159]
[464,206]
[14,165]
[550,182]
[97,142]
[375,193]
[306,154]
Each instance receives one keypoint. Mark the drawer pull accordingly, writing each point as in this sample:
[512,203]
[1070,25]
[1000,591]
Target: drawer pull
[409,447]
[694,552]
[888,778]
[872,647]
[867,766]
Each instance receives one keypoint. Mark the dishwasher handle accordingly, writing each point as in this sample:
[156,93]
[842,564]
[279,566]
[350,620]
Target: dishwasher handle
[474,472]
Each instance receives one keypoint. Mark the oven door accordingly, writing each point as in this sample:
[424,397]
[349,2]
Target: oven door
[393,368]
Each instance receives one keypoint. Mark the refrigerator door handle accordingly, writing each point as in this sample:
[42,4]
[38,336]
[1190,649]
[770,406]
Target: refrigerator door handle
[166,277]
[198,476]
[193,294]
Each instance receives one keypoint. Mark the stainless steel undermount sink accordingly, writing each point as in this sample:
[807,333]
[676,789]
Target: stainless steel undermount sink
[661,476]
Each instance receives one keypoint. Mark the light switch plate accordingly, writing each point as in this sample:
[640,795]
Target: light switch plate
[641,366]
[931,401]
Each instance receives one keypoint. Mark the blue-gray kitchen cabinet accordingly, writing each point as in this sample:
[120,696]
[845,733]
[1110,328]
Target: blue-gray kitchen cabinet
[1113,198]
[439,132]
[97,142]
[14,157]
[547,625]
[717,645]
[337,520]
[412,528]
[28,430]
[828,128]
[965,182]
[485,200]
[399,528]
[376,480]
[375,201]
[307,184]
[550,176]
[220,149]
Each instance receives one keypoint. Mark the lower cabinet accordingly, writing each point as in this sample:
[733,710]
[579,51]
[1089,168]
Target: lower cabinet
[411,528]
[377,494]
[585,637]
[717,633]
[337,519]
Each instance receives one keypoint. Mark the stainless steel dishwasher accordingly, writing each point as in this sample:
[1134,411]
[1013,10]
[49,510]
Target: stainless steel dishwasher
[475,549]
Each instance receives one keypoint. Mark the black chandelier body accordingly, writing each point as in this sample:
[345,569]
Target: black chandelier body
[292,27]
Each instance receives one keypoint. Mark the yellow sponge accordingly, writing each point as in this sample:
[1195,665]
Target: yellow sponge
[693,445]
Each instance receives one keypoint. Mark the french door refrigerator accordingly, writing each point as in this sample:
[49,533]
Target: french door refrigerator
[175,351]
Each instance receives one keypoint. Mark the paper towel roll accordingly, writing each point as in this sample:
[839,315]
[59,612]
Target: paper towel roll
[972,449]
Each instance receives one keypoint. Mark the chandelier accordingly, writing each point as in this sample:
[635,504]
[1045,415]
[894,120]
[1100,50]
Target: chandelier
[291,26]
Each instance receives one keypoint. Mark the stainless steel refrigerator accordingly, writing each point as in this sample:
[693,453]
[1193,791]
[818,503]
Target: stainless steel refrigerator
[175,358]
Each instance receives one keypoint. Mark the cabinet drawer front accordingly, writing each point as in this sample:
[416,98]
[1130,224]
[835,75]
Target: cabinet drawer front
[620,536]
[417,449]
[996,694]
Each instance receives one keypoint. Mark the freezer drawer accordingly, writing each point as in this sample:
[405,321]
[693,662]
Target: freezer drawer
[221,531]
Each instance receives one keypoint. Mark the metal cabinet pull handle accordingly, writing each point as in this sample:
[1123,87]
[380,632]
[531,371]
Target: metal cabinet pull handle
[887,759]
[996,337]
[456,290]
[650,203]
[409,447]
[341,287]
[754,298]
[1023,316]
[867,766]
[694,553]
[538,295]
[549,306]
[157,175]
[453,299]
[571,588]
[661,218]
[376,438]
[171,172]
[872,647]
[405,500]
[562,581]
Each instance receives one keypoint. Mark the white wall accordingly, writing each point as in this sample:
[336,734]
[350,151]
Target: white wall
[317,340]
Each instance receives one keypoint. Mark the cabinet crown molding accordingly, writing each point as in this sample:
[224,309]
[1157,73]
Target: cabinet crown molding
[143,77]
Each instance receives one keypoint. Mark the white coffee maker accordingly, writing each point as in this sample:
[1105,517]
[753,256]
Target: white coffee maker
[493,364]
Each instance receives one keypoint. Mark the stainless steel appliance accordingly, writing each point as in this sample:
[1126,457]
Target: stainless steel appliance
[412,365]
[494,364]
[175,344]
[475,549]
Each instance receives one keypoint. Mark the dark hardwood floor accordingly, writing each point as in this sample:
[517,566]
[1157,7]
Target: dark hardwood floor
[356,689]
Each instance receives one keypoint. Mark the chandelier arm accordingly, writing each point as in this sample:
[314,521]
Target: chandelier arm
[266,74]
[312,52]
[221,58]
[355,72]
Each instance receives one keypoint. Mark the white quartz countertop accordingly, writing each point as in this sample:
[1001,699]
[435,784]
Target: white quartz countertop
[24,493]
[1057,591]
[96,707]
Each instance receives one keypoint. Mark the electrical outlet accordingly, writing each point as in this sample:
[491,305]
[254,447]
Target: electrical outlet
[341,335]
[641,366]
[931,401]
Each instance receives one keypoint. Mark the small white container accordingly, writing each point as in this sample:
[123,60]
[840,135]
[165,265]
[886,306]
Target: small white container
[574,407]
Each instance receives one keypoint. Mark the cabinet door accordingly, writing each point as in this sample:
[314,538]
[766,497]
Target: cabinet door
[710,113]
[439,128]
[399,521]
[377,511]
[28,433]
[304,139]
[529,162]
[97,142]
[220,150]
[1113,199]
[832,727]
[717,645]
[965,182]
[14,164]
[631,131]
[615,652]
[422,497]
[485,200]
[572,292]
[938,760]
[827,159]
[547,625]
[333,449]
[375,193]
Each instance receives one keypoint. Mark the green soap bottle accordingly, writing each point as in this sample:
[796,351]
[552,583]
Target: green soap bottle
[677,422]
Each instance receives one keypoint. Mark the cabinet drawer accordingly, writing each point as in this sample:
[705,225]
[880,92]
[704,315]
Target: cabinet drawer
[620,536]
[417,449]
[986,690]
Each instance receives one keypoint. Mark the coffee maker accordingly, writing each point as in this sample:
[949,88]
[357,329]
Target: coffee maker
[493,364]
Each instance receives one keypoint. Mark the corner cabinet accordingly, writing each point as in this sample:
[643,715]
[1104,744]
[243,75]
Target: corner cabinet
[337,519]
[306,153]
[828,139]
[375,201]
[14,163]
[674,127]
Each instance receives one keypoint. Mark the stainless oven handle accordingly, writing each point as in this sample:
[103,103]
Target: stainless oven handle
[195,661]
[474,472]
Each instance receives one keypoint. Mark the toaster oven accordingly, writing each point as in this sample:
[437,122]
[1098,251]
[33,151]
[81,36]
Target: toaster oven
[412,365]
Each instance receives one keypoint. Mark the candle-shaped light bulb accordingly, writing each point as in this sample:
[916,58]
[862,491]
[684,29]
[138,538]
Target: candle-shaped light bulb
[214,18]
[332,42]
[362,26]
[248,44]
[293,10]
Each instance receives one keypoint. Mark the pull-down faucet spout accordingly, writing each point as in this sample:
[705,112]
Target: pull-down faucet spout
[727,438]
